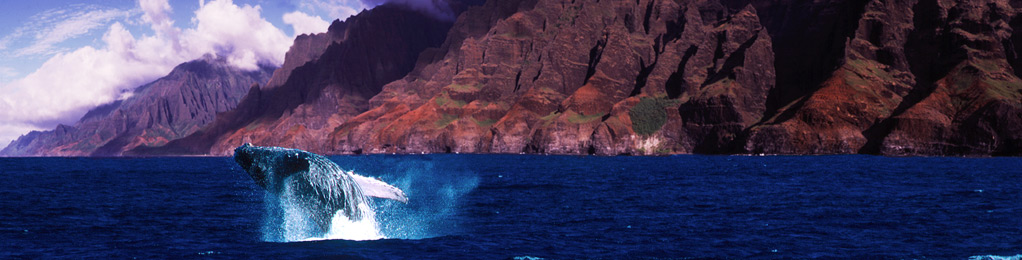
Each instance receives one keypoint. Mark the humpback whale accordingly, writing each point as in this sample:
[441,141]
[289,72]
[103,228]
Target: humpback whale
[318,185]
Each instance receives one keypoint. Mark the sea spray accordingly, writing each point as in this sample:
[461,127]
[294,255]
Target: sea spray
[344,228]
[287,219]
[995,257]
[434,194]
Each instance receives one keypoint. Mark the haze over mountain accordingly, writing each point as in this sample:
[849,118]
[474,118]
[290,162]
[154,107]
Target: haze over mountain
[169,108]
[646,77]
[59,59]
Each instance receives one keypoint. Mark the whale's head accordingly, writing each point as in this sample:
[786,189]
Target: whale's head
[269,165]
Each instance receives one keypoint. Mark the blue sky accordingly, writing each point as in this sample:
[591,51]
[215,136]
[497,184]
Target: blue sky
[28,14]
[60,58]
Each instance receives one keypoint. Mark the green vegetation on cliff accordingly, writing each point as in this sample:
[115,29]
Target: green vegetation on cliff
[648,116]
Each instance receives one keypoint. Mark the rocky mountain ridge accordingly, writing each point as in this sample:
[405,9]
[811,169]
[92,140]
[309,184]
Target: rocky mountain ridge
[326,79]
[645,77]
[169,108]
[665,77]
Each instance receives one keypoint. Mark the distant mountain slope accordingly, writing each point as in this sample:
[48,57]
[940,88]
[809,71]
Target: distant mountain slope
[896,77]
[337,73]
[166,109]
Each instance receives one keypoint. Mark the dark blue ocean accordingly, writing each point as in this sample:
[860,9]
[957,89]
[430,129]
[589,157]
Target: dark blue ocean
[520,206]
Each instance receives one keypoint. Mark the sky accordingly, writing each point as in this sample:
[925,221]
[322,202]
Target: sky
[60,58]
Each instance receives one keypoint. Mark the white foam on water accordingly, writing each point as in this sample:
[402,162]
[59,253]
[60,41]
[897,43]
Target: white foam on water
[995,257]
[341,227]
[294,223]
[288,221]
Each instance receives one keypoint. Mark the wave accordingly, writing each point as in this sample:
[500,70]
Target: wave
[994,257]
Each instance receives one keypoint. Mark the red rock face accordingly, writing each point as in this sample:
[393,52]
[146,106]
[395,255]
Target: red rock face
[973,107]
[916,79]
[827,111]
[552,77]
[169,108]
[648,77]
[565,78]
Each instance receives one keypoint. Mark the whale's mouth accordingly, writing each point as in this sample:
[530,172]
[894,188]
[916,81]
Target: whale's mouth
[257,174]
[243,158]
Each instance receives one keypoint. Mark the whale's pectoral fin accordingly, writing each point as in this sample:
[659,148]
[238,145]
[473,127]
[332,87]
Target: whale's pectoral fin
[377,188]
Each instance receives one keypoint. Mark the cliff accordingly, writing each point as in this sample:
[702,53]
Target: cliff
[169,108]
[326,79]
[645,77]
[913,78]
[564,78]
[664,77]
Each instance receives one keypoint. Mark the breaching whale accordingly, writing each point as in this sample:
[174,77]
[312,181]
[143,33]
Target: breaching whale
[320,186]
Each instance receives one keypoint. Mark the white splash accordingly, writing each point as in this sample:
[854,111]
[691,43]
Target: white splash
[288,221]
[341,227]
[995,257]
[433,203]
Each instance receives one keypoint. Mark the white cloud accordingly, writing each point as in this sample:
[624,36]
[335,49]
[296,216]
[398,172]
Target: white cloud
[342,9]
[12,130]
[437,8]
[239,33]
[335,9]
[47,29]
[6,40]
[157,14]
[71,82]
[305,24]
[6,73]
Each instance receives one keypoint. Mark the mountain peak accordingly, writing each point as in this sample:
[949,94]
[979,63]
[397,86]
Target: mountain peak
[644,77]
[171,107]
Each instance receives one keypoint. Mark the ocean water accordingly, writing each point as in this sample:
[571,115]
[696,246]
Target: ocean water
[523,206]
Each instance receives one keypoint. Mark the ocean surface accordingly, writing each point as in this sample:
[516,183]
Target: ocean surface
[527,207]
